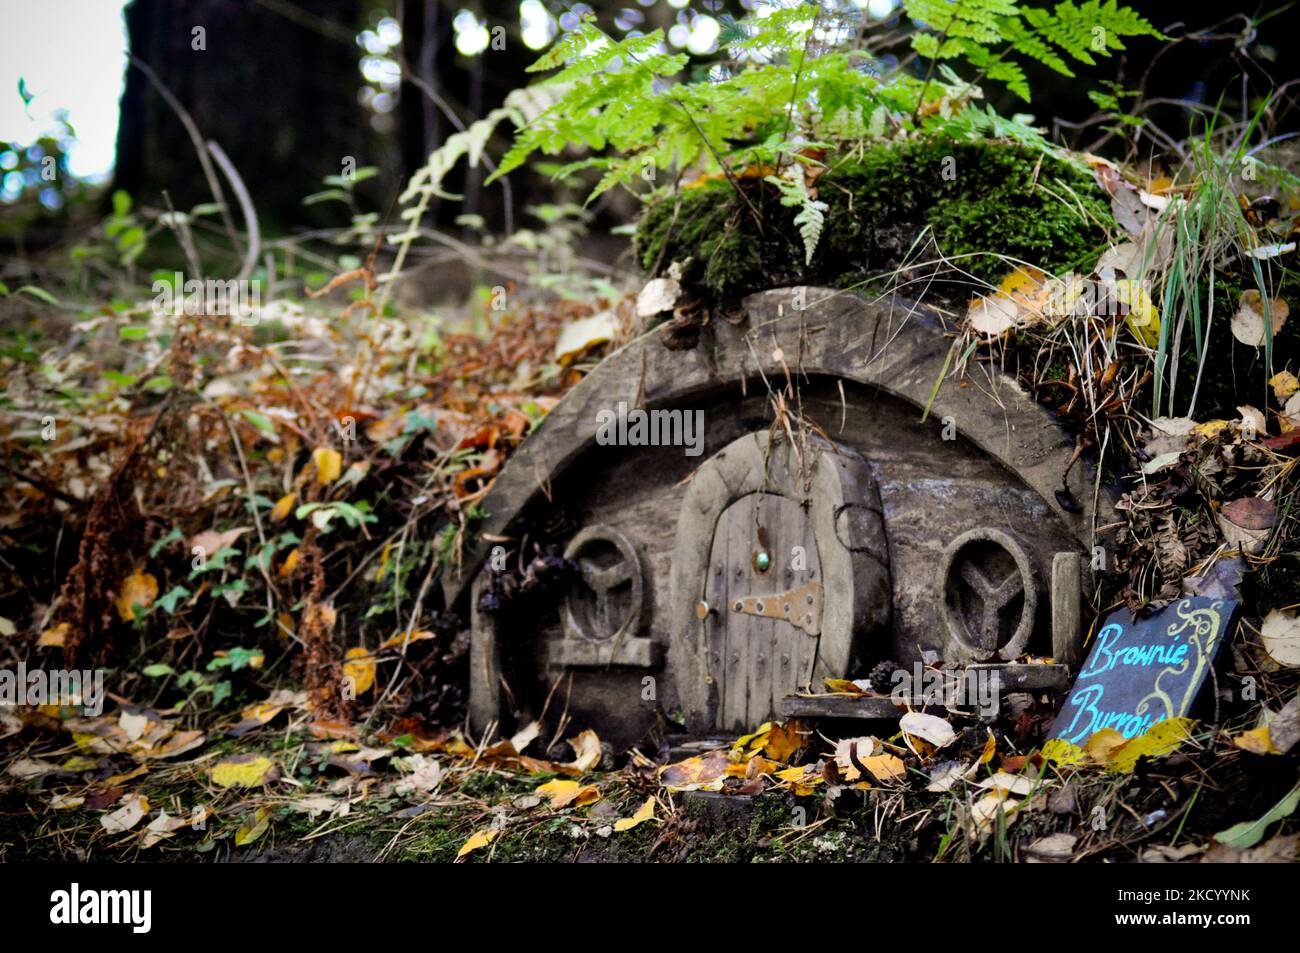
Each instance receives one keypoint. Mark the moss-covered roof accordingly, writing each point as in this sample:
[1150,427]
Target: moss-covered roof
[979,199]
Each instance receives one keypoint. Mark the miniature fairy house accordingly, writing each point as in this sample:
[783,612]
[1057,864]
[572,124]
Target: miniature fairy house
[726,564]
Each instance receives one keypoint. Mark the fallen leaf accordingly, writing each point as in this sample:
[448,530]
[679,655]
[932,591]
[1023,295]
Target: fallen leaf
[577,337]
[329,464]
[477,840]
[211,542]
[1053,847]
[1250,833]
[244,771]
[1016,784]
[526,736]
[1256,741]
[283,507]
[26,768]
[1280,632]
[1247,523]
[1248,322]
[138,589]
[360,667]
[252,830]
[930,728]
[586,749]
[1284,384]
[134,808]
[1142,319]
[644,813]
[564,792]
[699,773]
[426,774]
[55,636]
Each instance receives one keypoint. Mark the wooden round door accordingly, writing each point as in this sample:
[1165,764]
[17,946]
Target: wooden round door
[779,578]
[764,584]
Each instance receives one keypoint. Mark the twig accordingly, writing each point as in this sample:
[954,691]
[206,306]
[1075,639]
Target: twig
[245,205]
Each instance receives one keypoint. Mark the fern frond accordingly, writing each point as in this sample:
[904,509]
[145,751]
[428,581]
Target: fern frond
[812,213]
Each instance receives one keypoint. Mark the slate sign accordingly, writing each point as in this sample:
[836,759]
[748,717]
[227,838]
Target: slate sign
[1143,672]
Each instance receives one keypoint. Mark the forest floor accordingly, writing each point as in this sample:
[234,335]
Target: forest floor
[242,522]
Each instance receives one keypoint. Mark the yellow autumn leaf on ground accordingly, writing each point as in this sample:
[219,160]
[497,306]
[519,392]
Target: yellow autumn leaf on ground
[360,667]
[802,780]
[784,740]
[699,773]
[138,589]
[476,840]
[253,829]
[1284,384]
[567,793]
[1211,428]
[1160,739]
[1142,319]
[1059,751]
[329,464]
[885,767]
[282,507]
[990,748]
[243,771]
[290,563]
[406,638]
[746,746]
[54,636]
[1110,748]
[843,686]
[1256,741]
[643,813]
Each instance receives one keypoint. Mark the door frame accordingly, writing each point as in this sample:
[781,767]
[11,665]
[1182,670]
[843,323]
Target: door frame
[837,487]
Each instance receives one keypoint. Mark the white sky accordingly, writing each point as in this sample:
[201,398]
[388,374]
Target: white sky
[72,53]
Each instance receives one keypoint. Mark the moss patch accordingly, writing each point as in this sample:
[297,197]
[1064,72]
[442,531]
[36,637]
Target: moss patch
[978,199]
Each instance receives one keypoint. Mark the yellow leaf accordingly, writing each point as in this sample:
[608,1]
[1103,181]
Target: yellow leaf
[360,667]
[406,638]
[1211,428]
[784,740]
[565,793]
[476,840]
[885,767]
[699,773]
[243,771]
[329,464]
[843,685]
[250,832]
[54,636]
[282,507]
[290,563]
[1160,739]
[1059,751]
[1284,384]
[1143,319]
[802,780]
[1256,741]
[749,745]
[990,748]
[643,813]
[138,589]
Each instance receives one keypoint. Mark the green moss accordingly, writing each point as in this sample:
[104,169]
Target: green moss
[979,201]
